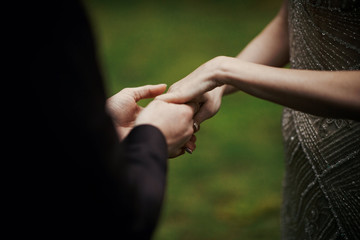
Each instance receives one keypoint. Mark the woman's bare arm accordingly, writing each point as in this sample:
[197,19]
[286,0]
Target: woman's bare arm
[270,47]
[324,93]
[258,70]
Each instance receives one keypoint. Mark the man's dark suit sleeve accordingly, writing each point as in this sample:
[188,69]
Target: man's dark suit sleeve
[81,179]
[146,153]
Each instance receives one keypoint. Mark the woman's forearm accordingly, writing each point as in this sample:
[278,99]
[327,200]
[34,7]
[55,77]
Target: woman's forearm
[258,70]
[325,93]
[270,47]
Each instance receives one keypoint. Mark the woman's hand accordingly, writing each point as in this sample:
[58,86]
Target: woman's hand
[202,86]
[193,86]
[123,107]
[210,103]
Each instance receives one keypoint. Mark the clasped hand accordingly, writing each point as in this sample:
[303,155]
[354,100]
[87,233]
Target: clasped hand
[175,121]
[203,86]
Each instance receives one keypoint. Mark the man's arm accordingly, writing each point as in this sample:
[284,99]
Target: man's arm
[82,180]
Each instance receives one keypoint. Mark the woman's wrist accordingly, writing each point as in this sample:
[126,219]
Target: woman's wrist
[223,74]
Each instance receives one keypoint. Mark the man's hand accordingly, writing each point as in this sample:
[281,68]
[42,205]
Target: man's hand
[123,107]
[175,121]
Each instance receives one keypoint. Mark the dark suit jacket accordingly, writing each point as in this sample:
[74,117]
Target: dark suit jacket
[72,176]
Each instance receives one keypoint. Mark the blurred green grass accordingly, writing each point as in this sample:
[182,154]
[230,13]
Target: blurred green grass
[230,188]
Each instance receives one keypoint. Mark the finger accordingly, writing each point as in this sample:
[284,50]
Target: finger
[188,150]
[200,99]
[148,91]
[194,106]
[174,97]
[196,126]
[179,152]
[202,115]
[193,138]
[190,147]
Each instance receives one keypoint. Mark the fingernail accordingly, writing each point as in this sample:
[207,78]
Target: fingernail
[188,150]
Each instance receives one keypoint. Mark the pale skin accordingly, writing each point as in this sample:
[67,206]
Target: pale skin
[258,70]
[175,121]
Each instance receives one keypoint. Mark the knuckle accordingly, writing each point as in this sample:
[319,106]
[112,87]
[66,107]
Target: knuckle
[126,90]
[190,131]
[172,88]
[187,112]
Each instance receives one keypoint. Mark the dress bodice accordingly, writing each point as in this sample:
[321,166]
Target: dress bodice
[322,178]
[324,34]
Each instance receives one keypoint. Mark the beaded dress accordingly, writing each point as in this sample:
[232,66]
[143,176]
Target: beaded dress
[321,187]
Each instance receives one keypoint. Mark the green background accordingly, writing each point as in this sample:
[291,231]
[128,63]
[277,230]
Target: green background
[230,187]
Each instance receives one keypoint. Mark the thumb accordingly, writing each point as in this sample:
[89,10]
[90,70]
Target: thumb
[148,91]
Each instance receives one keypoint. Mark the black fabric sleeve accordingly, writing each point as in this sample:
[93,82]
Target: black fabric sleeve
[71,175]
[146,155]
